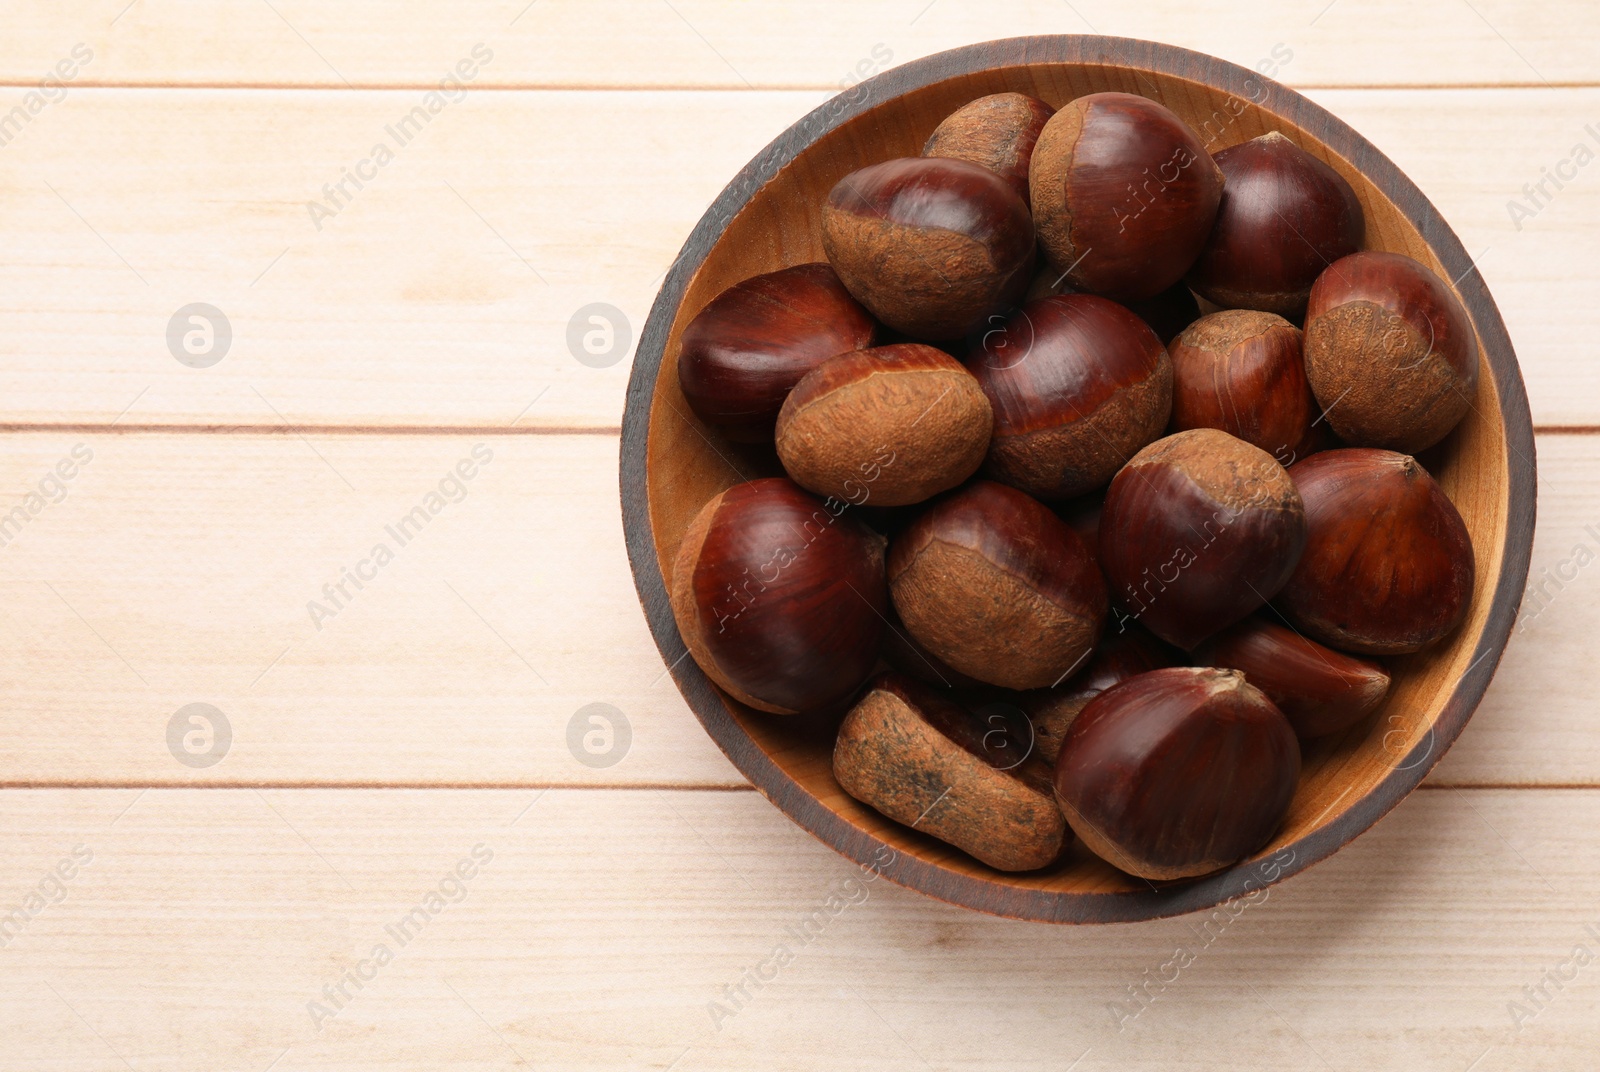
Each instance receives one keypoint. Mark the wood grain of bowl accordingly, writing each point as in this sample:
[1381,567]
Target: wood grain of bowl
[767,218]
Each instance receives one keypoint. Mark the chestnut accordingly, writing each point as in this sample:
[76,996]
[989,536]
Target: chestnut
[1124,194]
[1285,216]
[1199,529]
[998,132]
[997,586]
[1244,372]
[1319,690]
[779,596]
[1388,566]
[1177,772]
[924,761]
[741,354]
[1390,353]
[1078,383]
[890,426]
[932,246]
[1124,653]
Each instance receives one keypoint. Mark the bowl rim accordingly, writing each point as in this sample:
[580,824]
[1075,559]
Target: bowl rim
[977,892]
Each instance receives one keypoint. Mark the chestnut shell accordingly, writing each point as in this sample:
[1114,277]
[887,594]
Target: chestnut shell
[923,760]
[1390,352]
[1078,384]
[1285,216]
[740,356]
[1124,194]
[1177,772]
[779,596]
[1244,372]
[931,246]
[889,426]
[1388,566]
[998,587]
[998,132]
[1319,690]
[1199,529]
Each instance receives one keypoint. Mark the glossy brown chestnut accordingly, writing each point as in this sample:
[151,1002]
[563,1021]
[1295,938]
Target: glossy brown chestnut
[997,586]
[888,426]
[1078,383]
[924,761]
[1390,352]
[1122,654]
[1388,566]
[1177,772]
[779,596]
[998,132]
[1243,372]
[1199,530]
[1124,194]
[1285,216]
[1319,690]
[742,353]
[932,246]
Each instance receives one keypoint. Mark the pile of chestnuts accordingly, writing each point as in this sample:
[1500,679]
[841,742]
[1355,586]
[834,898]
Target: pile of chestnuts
[1099,489]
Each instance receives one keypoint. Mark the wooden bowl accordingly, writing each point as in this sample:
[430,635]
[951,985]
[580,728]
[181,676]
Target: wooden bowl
[767,218]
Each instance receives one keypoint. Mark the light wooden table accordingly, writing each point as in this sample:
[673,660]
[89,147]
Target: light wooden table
[213,914]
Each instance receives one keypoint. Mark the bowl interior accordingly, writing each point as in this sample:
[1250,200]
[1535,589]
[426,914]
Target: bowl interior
[778,225]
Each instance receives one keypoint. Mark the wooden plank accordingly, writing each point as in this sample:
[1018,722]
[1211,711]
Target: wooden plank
[1536,725]
[442,294]
[702,42]
[179,569]
[603,927]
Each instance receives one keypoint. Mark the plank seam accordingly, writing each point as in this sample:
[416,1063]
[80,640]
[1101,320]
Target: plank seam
[93,428]
[715,87]
[677,787]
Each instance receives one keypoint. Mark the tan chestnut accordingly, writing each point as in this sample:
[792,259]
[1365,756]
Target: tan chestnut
[1388,566]
[1124,194]
[1319,690]
[998,132]
[888,426]
[1177,772]
[994,584]
[922,760]
[1390,353]
[1244,372]
[1198,530]
[1078,383]
[932,246]
[779,596]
